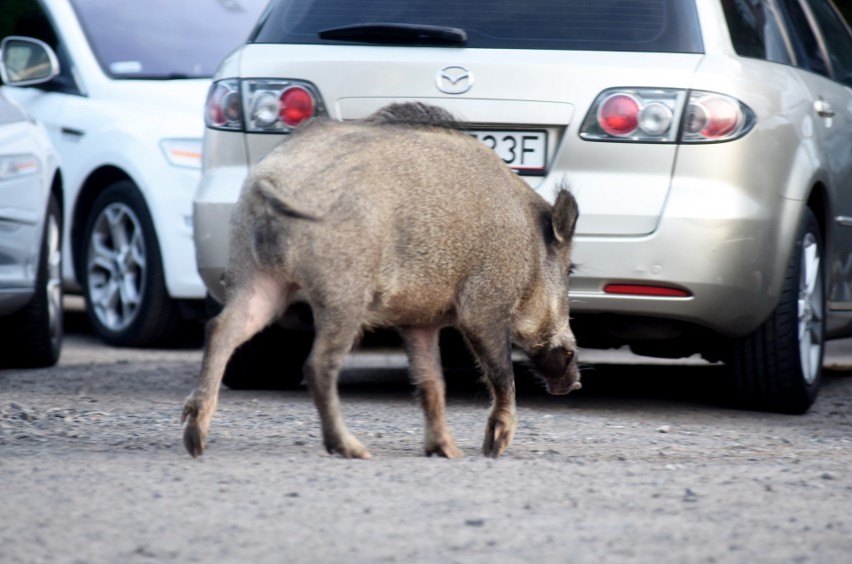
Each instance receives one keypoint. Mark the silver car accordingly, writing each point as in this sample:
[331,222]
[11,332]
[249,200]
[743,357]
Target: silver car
[707,142]
[30,220]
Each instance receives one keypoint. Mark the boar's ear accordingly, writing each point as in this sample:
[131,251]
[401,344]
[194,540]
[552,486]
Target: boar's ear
[565,214]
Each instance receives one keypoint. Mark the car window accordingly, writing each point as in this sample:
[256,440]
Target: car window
[755,31]
[28,19]
[598,25]
[165,39]
[837,39]
[809,54]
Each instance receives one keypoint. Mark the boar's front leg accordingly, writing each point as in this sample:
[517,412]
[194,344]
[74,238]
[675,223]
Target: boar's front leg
[425,360]
[335,334]
[492,347]
[247,313]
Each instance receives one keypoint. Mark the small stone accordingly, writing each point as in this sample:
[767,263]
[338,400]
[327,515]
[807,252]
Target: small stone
[664,429]
[474,522]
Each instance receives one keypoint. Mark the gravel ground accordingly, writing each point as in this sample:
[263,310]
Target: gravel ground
[645,464]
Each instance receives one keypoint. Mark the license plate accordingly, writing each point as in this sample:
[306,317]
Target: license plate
[524,151]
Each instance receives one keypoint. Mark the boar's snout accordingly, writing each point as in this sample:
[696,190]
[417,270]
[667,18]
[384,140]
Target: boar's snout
[558,368]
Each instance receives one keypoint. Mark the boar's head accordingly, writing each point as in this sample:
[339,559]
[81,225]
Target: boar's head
[542,326]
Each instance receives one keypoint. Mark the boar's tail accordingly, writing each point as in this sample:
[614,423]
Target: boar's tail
[414,114]
[267,191]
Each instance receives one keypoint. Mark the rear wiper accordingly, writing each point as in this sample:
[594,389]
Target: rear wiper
[397,34]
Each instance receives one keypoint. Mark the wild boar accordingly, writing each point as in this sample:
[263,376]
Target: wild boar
[398,220]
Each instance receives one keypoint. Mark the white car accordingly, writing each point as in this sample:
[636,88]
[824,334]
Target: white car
[125,116]
[706,141]
[30,223]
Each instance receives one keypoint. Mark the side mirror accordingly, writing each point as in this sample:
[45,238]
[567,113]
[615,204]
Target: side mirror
[25,61]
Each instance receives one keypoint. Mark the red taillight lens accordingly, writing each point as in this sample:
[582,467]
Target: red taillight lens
[619,115]
[646,290]
[297,105]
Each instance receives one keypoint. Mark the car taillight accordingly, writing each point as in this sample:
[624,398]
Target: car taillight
[297,105]
[223,105]
[261,105]
[665,116]
[618,115]
[713,117]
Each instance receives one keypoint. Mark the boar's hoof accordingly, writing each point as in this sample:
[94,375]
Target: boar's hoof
[498,435]
[561,388]
[348,448]
[445,449]
[193,439]
[193,436]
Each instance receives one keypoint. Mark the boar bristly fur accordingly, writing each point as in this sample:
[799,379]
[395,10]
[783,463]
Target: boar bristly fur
[398,220]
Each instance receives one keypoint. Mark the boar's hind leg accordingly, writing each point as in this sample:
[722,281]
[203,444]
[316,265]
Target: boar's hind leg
[247,313]
[425,360]
[335,334]
[492,348]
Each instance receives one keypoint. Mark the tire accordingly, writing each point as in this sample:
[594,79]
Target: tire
[779,366]
[272,360]
[32,336]
[126,298]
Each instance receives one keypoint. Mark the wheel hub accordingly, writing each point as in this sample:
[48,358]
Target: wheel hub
[116,266]
[810,312]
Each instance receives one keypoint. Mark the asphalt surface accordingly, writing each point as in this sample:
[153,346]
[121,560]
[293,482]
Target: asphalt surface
[648,463]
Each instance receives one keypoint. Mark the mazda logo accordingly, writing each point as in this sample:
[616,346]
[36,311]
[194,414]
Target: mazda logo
[454,80]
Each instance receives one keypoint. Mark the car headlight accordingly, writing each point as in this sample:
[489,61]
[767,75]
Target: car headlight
[182,152]
[16,166]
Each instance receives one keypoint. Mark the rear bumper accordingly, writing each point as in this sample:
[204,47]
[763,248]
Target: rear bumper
[211,245]
[727,250]
[217,193]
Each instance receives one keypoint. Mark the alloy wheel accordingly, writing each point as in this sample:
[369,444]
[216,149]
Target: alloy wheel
[116,266]
[810,306]
[54,279]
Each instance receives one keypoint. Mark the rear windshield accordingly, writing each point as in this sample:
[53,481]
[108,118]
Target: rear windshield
[596,25]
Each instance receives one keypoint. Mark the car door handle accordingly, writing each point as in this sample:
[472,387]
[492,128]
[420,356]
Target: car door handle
[823,109]
[72,133]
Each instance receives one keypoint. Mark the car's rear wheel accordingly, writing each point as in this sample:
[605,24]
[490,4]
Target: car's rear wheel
[779,366]
[127,301]
[32,337]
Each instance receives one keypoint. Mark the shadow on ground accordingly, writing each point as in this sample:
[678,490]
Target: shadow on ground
[687,385]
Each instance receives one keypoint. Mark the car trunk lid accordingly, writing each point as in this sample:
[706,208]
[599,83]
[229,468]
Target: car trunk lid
[621,187]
